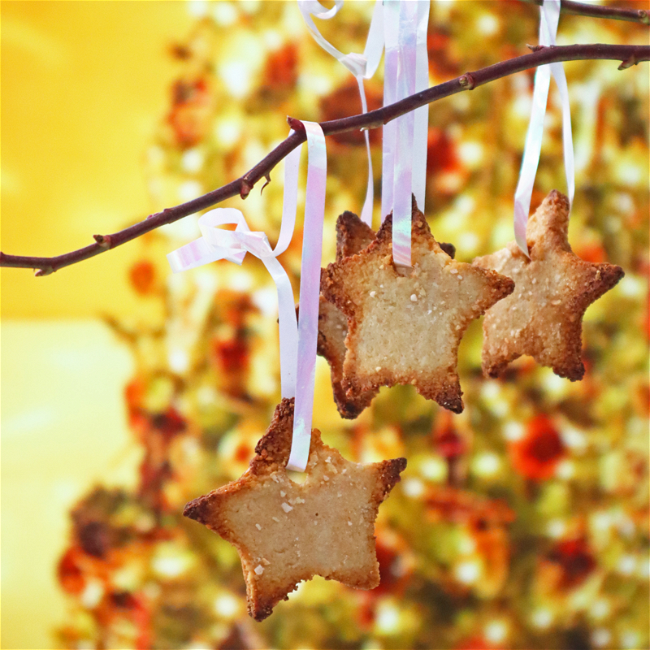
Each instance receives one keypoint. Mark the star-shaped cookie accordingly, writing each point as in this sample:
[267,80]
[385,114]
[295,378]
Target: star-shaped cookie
[404,327]
[286,532]
[543,317]
[352,236]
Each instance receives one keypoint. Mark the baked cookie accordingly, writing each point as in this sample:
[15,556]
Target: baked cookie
[286,532]
[543,317]
[352,236]
[404,326]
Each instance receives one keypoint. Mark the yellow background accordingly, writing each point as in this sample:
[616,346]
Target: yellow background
[83,85]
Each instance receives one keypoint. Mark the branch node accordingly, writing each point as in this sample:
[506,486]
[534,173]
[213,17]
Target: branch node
[467,81]
[245,188]
[296,125]
[39,273]
[628,63]
[268,180]
[644,17]
[103,240]
[535,48]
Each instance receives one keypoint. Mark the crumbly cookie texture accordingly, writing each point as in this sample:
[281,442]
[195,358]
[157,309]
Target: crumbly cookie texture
[543,317]
[352,236]
[404,326]
[286,532]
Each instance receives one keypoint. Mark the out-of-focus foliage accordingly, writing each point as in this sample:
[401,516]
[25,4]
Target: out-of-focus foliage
[523,522]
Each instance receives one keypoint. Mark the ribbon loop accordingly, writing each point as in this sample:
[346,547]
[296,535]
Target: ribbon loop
[549,19]
[309,296]
[218,244]
[405,141]
[297,342]
[362,66]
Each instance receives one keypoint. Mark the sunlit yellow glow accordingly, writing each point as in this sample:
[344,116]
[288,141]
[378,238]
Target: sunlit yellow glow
[542,618]
[387,619]
[496,631]
[468,572]
[226,605]
[433,469]
[601,637]
[486,464]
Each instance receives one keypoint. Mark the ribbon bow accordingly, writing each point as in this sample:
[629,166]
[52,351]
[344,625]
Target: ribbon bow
[219,244]
[297,340]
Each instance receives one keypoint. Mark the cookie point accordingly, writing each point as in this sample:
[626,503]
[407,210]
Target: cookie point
[400,465]
[611,274]
[195,510]
[260,614]
[555,196]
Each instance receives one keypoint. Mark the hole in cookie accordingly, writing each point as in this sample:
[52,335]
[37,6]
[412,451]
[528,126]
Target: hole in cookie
[297,477]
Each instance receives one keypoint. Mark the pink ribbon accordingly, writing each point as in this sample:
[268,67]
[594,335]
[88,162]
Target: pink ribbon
[297,339]
[549,19]
[218,244]
[362,66]
[405,139]
[312,247]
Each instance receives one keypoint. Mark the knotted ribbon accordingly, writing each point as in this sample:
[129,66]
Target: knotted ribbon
[549,18]
[362,66]
[297,339]
[219,244]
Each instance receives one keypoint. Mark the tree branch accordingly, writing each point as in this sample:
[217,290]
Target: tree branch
[598,11]
[629,55]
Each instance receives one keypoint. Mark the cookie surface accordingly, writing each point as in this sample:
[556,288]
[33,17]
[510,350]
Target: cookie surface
[352,236]
[287,532]
[543,317]
[404,327]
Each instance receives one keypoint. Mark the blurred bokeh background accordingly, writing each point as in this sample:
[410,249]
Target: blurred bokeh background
[522,523]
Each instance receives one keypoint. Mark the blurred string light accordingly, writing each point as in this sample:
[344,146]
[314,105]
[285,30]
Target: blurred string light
[496,632]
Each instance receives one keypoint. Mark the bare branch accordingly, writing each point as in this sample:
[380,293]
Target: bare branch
[598,11]
[628,54]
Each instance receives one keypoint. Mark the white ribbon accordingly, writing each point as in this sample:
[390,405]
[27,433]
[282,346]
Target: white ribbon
[549,19]
[391,63]
[405,139]
[312,246]
[218,244]
[297,340]
[362,66]
[421,115]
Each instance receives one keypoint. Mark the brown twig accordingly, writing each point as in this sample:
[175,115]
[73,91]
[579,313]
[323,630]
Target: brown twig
[598,11]
[374,119]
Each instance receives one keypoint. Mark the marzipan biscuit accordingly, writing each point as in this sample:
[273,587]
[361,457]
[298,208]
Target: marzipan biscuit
[352,236]
[286,532]
[543,317]
[404,326]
